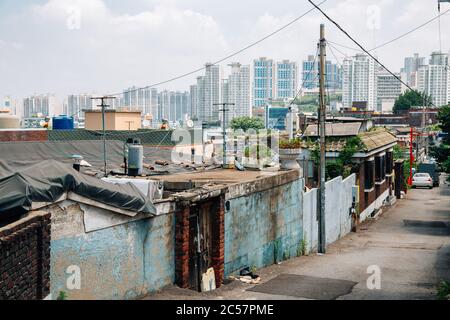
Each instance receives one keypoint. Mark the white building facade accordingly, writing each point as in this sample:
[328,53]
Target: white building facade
[434,79]
[237,89]
[359,77]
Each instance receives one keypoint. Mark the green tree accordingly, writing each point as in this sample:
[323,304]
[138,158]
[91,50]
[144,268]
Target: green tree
[409,99]
[444,119]
[246,123]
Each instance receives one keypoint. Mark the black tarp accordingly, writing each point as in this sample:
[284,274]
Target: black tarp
[22,183]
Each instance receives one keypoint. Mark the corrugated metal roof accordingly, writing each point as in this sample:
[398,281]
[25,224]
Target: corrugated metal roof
[335,129]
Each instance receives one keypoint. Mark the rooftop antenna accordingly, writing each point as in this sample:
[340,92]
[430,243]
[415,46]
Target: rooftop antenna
[103,106]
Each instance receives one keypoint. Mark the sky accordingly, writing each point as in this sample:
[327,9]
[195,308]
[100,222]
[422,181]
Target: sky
[103,46]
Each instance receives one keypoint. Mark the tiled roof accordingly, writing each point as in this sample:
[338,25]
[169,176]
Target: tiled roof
[372,140]
[378,138]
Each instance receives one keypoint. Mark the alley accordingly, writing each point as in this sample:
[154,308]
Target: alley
[409,243]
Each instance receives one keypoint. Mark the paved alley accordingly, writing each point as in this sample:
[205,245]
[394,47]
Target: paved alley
[410,243]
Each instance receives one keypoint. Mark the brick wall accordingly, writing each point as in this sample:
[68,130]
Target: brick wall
[24,135]
[25,258]
[218,241]
[214,208]
[182,248]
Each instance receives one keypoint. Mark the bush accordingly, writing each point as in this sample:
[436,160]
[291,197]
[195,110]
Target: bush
[291,144]
[334,169]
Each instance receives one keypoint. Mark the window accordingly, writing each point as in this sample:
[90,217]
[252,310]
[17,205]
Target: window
[380,168]
[389,162]
[369,168]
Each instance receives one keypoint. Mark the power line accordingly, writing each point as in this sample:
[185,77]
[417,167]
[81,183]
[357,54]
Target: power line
[225,58]
[398,37]
[362,48]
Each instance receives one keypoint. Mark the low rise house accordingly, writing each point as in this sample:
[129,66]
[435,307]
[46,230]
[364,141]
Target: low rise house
[124,237]
[373,162]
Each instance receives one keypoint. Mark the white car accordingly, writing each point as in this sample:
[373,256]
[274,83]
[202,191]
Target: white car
[422,180]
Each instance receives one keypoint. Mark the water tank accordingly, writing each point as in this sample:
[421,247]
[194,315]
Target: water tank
[8,121]
[135,158]
[63,122]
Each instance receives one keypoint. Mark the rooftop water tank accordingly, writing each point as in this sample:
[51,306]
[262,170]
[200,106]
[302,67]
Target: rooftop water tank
[135,158]
[8,121]
[63,122]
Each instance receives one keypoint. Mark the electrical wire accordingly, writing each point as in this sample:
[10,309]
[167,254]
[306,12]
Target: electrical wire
[362,48]
[224,58]
[398,37]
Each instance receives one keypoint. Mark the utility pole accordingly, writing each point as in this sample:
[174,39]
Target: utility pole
[224,129]
[322,118]
[103,106]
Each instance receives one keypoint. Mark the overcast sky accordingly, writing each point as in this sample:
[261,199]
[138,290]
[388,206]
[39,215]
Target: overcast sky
[75,46]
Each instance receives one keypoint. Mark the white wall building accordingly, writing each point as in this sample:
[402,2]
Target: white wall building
[236,89]
[141,99]
[410,68]
[209,93]
[389,89]
[41,104]
[75,104]
[434,79]
[174,105]
[359,81]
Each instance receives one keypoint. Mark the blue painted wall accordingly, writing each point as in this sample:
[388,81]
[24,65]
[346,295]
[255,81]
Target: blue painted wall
[112,260]
[264,228]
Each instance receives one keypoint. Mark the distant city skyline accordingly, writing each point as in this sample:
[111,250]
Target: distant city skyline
[74,46]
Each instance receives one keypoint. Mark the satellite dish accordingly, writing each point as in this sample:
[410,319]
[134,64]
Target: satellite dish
[190,123]
[146,123]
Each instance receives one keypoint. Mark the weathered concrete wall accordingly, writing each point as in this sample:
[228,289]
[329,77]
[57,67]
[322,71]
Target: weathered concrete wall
[337,211]
[264,227]
[119,262]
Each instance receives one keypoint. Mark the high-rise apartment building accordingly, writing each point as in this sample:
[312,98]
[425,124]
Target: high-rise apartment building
[264,81]
[194,101]
[208,91]
[434,79]
[359,76]
[174,105]
[40,104]
[75,104]
[286,79]
[410,68]
[141,99]
[389,89]
[236,89]
[273,80]
[310,72]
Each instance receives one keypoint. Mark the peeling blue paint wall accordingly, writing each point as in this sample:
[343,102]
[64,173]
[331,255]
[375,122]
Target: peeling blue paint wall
[111,260]
[263,228]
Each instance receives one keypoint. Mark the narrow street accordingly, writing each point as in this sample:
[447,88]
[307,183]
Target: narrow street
[409,242]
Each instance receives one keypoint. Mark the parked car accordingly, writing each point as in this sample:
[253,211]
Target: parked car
[432,169]
[422,180]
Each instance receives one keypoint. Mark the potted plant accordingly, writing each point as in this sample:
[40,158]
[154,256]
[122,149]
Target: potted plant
[289,153]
